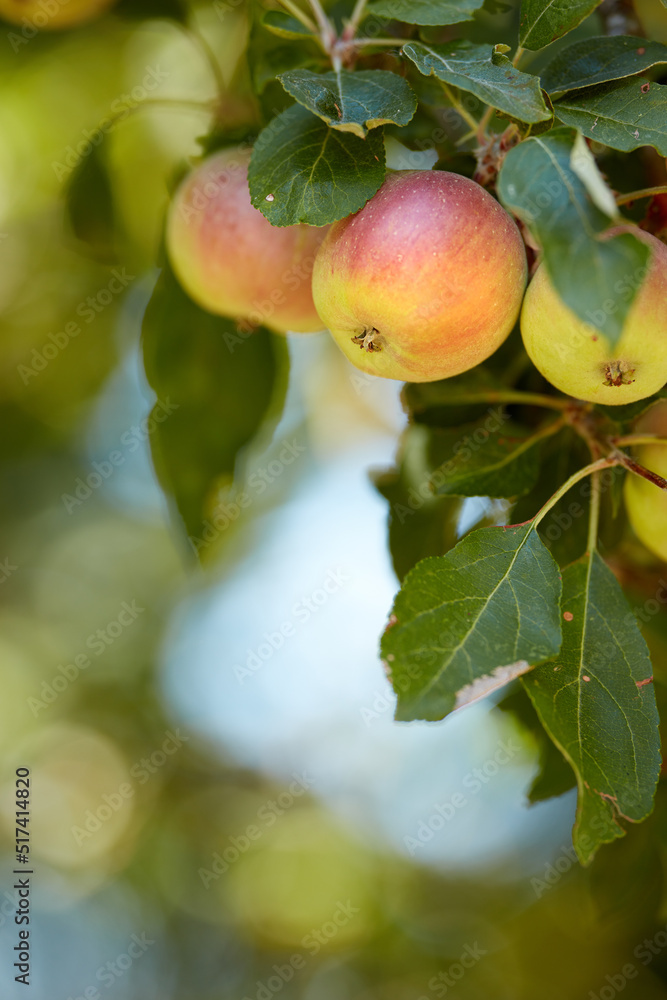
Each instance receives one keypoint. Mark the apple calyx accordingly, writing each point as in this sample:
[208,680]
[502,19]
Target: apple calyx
[618,373]
[369,340]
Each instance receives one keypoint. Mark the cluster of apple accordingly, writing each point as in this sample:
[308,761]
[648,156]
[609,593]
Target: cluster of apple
[425,282]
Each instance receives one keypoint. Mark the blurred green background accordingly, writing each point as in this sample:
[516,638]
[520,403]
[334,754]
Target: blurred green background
[221,804]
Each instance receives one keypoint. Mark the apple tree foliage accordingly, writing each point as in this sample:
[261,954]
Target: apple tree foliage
[539,602]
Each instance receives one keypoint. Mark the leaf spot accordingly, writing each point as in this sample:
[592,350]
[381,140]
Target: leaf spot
[568,616]
[480,687]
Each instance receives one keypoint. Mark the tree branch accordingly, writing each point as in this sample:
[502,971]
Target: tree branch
[624,199]
[639,470]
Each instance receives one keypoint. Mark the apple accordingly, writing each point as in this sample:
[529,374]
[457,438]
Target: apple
[230,259]
[646,503]
[576,358]
[425,281]
[52,14]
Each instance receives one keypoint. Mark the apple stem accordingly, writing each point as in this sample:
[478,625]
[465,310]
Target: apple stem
[639,470]
[354,22]
[510,396]
[517,55]
[358,43]
[299,15]
[483,124]
[625,199]
[467,137]
[594,514]
[588,470]
[456,104]
[327,30]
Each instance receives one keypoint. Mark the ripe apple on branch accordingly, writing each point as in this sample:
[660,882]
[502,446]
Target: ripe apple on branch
[500,259]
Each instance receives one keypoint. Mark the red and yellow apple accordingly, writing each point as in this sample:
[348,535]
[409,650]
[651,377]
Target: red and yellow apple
[230,259]
[425,281]
[575,356]
[646,503]
[52,14]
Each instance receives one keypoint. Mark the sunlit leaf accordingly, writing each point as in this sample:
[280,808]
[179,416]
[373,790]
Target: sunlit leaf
[599,60]
[426,11]
[471,620]
[623,115]
[539,184]
[303,171]
[543,21]
[215,383]
[485,73]
[353,102]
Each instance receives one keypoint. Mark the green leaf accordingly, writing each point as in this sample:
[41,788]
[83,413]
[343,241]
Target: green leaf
[584,165]
[598,705]
[303,171]
[623,115]
[420,524]
[467,623]
[598,60]
[221,383]
[353,102]
[564,530]
[492,457]
[284,26]
[543,21]
[452,401]
[554,776]
[439,12]
[90,206]
[538,182]
[485,73]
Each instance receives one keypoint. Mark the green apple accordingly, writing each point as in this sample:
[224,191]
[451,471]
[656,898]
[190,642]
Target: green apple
[52,14]
[230,259]
[646,503]
[576,358]
[425,281]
